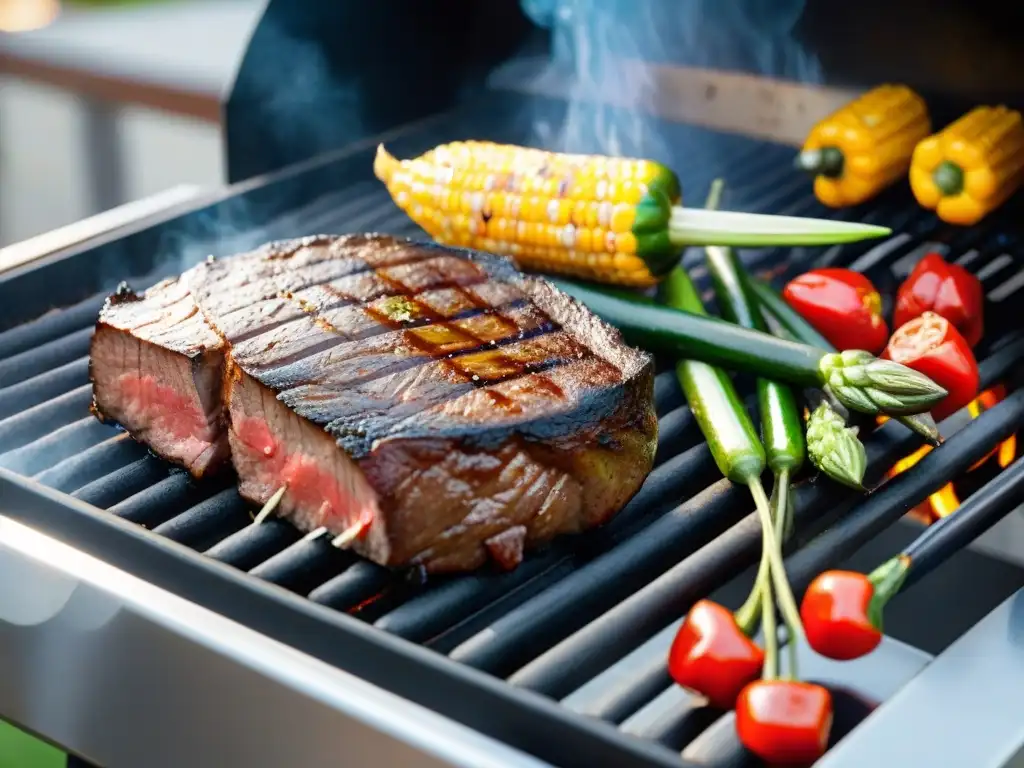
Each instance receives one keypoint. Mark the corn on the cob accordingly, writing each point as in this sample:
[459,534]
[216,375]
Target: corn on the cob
[610,220]
[972,166]
[861,149]
[597,218]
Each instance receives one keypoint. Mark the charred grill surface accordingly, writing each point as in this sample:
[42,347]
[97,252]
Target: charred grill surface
[156,369]
[437,402]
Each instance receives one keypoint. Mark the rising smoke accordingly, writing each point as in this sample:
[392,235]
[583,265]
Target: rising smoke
[600,43]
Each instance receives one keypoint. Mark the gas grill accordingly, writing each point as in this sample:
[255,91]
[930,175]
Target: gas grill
[145,620]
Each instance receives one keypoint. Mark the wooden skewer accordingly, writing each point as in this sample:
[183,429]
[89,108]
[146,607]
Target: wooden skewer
[349,535]
[315,534]
[270,506]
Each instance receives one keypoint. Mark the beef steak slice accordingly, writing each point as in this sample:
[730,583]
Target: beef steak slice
[437,401]
[157,370]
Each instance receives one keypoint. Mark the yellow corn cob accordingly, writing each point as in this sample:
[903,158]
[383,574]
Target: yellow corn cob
[972,166]
[864,147]
[597,218]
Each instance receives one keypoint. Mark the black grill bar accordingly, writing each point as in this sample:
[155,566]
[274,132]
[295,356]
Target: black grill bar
[41,420]
[993,502]
[160,500]
[360,583]
[44,387]
[44,358]
[92,464]
[119,485]
[624,700]
[888,504]
[211,521]
[49,326]
[252,545]
[62,443]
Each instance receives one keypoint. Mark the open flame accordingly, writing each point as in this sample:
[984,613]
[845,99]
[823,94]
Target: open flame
[945,501]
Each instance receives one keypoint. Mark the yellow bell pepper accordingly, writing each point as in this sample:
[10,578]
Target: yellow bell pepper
[861,149]
[971,167]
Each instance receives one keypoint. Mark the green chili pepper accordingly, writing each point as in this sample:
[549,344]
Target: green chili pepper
[713,399]
[781,426]
[858,379]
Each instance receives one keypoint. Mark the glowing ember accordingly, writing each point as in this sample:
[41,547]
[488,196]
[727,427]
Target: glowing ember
[945,501]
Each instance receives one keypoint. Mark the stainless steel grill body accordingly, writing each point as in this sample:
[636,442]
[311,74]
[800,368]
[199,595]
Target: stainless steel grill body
[560,661]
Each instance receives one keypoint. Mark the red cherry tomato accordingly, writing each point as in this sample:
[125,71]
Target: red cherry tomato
[931,345]
[784,722]
[946,289]
[711,656]
[835,613]
[842,305]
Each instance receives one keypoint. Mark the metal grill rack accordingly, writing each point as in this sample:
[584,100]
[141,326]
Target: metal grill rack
[495,651]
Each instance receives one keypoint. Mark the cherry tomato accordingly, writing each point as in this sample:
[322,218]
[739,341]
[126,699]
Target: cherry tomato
[835,613]
[946,289]
[842,305]
[931,345]
[784,722]
[711,656]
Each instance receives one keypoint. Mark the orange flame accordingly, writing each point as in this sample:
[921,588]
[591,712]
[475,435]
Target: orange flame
[945,501]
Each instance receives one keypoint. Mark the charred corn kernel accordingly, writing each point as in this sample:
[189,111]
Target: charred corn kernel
[861,149]
[601,219]
[972,166]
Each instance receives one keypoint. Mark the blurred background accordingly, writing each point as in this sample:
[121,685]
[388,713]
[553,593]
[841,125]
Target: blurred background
[107,101]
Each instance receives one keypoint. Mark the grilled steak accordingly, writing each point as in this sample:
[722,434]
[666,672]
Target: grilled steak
[431,406]
[156,369]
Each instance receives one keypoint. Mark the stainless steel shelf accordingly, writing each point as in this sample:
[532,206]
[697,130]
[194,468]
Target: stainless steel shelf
[126,674]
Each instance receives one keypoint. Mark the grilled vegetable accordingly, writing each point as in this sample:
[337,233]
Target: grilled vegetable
[713,400]
[834,448]
[931,345]
[946,289]
[804,332]
[781,425]
[972,166]
[713,656]
[604,219]
[842,610]
[791,320]
[842,305]
[862,148]
[784,722]
[782,428]
[712,653]
[857,379]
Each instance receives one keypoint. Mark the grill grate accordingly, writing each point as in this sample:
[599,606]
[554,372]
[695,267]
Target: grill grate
[551,625]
